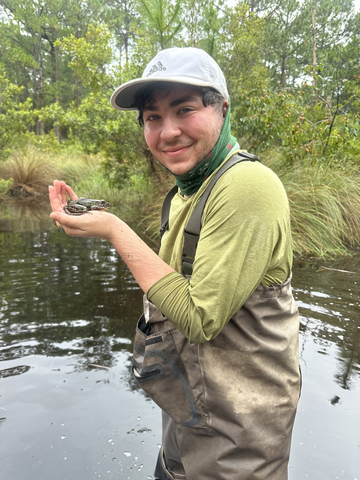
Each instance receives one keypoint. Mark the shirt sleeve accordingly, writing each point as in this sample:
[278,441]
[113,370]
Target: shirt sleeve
[245,236]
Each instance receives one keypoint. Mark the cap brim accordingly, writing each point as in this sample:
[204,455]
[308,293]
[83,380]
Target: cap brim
[123,97]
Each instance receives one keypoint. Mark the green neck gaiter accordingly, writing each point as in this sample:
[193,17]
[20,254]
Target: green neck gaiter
[190,182]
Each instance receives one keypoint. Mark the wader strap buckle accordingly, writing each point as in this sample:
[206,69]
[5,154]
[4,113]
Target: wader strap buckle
[189,251]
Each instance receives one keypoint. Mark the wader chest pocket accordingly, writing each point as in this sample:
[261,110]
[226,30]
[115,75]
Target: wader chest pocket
[158,368]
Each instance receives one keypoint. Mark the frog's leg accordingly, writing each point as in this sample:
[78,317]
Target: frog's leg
[71,212]
[98,207]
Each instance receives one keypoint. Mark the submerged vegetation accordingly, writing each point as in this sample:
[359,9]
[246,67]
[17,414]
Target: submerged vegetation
[294,81]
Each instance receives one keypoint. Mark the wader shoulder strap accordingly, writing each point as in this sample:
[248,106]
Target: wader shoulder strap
[166,210]
[192,229]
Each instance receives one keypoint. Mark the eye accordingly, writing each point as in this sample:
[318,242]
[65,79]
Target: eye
[185,110]
[152,117]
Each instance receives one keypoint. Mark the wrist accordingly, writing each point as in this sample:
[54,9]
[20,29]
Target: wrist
[114,228]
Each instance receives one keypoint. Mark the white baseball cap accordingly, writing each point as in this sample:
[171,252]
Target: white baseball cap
[190,66]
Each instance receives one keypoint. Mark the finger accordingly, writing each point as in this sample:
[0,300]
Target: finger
[71,193]
[57,186]
[64,197]
[63,190]
[54,199]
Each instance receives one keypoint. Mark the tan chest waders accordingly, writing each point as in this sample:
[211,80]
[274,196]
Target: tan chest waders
[228,404]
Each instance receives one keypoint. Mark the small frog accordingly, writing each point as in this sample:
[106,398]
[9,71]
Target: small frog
[83,205]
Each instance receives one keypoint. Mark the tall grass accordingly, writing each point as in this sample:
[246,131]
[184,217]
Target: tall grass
[32,170]
[26,174]
[325,207]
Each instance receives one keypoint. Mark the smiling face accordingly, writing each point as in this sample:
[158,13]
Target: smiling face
[179,130]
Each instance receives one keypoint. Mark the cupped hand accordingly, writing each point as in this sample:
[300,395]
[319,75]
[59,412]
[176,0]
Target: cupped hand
[91,224]
[58,195]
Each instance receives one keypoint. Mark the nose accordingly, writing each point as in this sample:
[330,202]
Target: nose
[170,129]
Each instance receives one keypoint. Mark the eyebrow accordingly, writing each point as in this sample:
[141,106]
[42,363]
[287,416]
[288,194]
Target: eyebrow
[178,101]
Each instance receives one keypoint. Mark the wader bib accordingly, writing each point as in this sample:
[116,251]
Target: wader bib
[228,404]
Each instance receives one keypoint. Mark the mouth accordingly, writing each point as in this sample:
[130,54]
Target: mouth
[177,150]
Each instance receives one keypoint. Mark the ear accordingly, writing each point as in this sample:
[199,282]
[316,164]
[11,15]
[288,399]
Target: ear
[225,107]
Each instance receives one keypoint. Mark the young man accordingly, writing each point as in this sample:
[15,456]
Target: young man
[217,346]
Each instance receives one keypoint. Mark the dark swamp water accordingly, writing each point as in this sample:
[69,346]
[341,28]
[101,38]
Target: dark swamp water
[68,406]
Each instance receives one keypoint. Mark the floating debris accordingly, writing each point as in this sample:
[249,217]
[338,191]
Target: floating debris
[98,366]
[321,269]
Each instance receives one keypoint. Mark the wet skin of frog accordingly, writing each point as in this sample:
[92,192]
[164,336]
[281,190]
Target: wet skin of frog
[84,205]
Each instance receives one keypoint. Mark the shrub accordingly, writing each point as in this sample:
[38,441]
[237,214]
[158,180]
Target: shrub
[289,120]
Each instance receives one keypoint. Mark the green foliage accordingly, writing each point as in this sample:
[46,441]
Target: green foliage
[28,46]
[203,22]
[289,121]
[287,41]
[123,19]
[337,44]
[103,129]
[290,41]
[241,43]
[162,20]
[15,116]
[5,185]
[89,56]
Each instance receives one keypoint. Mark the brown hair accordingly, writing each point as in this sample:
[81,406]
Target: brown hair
[210,97]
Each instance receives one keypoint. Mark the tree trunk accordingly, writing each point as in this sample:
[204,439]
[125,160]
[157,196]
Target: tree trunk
[314,54]
[283,69]
[56,128]
[41,83]
[36,92]
[127,31]
[77,82]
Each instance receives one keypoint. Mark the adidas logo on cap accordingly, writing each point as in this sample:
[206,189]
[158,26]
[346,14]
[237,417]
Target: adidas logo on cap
[158,67]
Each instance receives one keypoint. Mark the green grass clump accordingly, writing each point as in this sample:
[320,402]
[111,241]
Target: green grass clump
[27,173]
[325,207]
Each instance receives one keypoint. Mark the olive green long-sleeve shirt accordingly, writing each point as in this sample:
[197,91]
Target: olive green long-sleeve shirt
[245,241]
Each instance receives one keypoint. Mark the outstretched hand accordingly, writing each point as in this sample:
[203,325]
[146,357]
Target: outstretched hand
[143,262]
[91,224]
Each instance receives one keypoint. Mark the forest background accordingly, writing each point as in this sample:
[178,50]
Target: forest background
[293,73]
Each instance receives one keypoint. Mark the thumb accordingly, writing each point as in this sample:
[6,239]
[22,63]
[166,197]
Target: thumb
[59,217]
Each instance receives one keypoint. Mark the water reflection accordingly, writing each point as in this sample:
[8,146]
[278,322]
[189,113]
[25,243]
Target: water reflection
[329,301]
[61,296]
[68,308]
[24,214]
